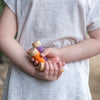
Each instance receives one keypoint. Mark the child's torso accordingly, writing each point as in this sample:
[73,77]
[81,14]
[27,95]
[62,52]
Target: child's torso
[51,21]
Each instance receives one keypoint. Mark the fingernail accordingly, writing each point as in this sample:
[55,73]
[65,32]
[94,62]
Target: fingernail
[36,61]
[32,59]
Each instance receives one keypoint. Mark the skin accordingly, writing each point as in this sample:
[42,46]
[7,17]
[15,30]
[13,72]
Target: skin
[83,50]
[11,48]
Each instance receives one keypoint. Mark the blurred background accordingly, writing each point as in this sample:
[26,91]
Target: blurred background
[94,80]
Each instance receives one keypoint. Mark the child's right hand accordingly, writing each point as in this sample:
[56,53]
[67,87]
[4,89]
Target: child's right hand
[52,71]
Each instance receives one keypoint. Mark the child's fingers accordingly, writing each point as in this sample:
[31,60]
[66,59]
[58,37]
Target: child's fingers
[36,62]
[60,65]
[46,71]
[60,69]
[28,51]
[55,71]
[37,67]
[45,52]
[59,74]
[39,74]
[32,59]
[51,70]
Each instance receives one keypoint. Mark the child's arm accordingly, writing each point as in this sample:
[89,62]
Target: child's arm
[8,29]
[83,50]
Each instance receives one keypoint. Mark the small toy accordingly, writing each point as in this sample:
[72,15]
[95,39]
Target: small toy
[39,47]
[36,55]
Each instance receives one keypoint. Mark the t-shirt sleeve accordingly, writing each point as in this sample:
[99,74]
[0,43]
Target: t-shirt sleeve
[93,20]
[12,5]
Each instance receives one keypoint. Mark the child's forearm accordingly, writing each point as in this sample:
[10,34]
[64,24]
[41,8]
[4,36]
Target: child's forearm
[16,53]
[83,50]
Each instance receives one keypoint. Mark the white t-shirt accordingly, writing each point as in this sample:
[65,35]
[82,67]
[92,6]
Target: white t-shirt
[56,23]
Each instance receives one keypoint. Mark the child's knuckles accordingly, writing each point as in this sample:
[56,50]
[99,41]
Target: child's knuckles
[45,77]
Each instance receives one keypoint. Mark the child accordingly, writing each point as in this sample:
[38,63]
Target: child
[61,26]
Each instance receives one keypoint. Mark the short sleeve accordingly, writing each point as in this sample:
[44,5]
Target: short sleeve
[12,5]
[93,20]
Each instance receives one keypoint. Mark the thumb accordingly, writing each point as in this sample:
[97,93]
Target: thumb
[45,52]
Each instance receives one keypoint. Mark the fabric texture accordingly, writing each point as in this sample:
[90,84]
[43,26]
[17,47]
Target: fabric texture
[93,21]
[56,23]
[12,4]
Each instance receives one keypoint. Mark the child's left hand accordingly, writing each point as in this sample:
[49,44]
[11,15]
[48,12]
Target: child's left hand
[52,54]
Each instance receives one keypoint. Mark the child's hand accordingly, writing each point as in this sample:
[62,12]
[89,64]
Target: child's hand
[51,54]
[52,71]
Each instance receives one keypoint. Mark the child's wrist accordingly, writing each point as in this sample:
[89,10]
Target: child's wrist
[59,53]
